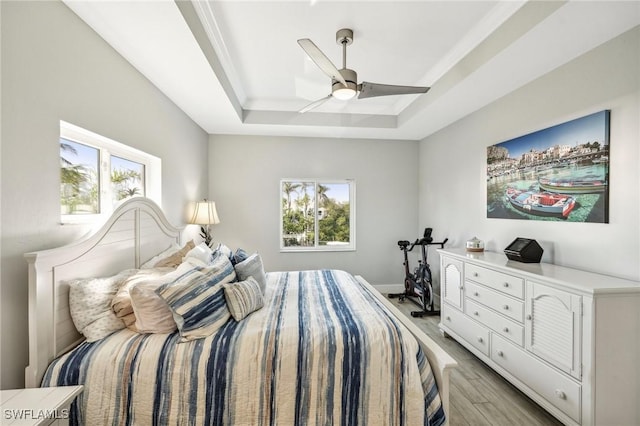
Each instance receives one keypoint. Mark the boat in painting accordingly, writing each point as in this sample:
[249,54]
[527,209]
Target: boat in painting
[541,203]
[573,186]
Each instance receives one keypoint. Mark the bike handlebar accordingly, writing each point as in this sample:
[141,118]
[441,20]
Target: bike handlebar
[420,242]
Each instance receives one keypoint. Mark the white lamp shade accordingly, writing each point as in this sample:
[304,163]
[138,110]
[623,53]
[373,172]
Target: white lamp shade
[205,213]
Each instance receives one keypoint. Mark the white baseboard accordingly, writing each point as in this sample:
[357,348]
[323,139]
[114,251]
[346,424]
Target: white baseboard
[389,288]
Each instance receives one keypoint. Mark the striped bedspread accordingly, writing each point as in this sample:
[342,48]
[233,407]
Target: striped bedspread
[321,351]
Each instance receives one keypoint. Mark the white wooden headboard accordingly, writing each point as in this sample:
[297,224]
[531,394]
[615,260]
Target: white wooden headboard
[137,231]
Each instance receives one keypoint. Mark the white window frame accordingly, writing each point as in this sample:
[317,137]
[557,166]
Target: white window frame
[108,147]
[352,217]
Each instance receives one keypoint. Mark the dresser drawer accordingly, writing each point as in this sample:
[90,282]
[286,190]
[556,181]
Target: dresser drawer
[552,385]
[505,283]
[506,305]
[469,330]
[498,323]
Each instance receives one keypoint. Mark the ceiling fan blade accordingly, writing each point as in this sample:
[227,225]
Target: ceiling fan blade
[369,90]
[321,60]
[315,104]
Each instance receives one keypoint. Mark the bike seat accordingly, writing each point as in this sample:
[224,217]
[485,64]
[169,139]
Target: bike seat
[403,243]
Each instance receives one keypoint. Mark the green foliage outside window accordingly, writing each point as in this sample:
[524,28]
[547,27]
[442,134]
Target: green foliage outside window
[307,205]
[80,178]
[334,226]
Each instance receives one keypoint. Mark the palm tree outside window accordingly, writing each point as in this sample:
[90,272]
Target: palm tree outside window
[317,215]
[97,173]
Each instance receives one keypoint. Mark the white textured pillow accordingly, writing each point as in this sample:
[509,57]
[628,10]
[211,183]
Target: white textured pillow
[90,305]
[243,298]
[201,252]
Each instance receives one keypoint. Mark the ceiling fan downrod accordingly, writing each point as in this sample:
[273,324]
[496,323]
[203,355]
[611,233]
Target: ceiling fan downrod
[344,37]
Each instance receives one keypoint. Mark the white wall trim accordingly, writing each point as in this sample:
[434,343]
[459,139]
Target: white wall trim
[389,288]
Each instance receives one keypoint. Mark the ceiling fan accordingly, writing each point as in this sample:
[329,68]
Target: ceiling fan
[344,82]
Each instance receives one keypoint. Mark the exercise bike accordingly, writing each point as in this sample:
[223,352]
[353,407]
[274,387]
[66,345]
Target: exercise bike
[418,285]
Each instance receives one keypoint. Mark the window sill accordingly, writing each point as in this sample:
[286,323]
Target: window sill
[316,249]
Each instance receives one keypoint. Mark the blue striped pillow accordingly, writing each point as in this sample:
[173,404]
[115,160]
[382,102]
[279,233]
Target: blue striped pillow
[243,298]
[239,256]
[197,301]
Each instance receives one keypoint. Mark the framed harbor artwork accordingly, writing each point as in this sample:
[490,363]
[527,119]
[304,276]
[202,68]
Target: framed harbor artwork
[560,173]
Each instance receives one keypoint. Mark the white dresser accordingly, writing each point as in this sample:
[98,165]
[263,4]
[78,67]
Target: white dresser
[569,339]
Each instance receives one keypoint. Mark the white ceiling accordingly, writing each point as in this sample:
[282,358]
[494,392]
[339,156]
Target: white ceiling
[235,67]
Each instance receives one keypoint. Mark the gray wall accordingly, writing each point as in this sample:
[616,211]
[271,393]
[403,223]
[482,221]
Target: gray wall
[455,162]
[244,179]
[54,67]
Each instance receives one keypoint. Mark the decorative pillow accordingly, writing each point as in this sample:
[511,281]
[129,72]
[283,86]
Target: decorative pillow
[157,258]
[194,262]
[121,303]
[221,249]
[90,305]
[197,299]
[201,252]
[243,298]
[252,267]
[176,258]
[151,312]
[239,256]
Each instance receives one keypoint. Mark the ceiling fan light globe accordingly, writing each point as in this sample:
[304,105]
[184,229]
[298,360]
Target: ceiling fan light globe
[344,93]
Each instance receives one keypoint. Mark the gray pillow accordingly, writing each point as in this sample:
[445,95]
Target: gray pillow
[252,267]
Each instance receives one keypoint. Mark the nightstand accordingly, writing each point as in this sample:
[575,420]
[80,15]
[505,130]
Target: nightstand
[37,406]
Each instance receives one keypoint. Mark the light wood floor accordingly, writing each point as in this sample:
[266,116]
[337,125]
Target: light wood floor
[479,396]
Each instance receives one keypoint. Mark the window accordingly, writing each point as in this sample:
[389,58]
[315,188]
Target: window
[79,176]
[317,215]
[127,178]
[97,173]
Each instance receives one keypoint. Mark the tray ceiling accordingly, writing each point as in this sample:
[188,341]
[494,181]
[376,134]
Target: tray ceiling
[235,67]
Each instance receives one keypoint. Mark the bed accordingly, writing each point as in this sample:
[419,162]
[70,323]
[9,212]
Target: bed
[326,347]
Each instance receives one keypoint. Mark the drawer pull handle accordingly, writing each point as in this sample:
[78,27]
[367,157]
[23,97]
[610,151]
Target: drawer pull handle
[476,313]
[480,339]
[506,284]
[505,307]
[560,394]
[475,293]
[460,287]
[506,329]
[475,274]
[500,353]
[448,318]
[529,317]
